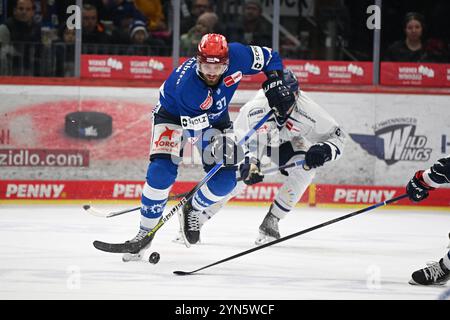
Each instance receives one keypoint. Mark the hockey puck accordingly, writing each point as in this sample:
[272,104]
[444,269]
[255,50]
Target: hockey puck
[88,125]
[154,258]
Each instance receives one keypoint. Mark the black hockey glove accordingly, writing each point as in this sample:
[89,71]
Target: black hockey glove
[417,189]
[317,155]
[280,98]
[251,171]
[224,148]
[440,171]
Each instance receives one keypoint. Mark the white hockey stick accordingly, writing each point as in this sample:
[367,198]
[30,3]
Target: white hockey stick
[106,214]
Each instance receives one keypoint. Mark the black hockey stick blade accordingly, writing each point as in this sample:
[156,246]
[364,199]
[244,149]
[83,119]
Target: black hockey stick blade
[117,247]
[243,253]
[183,273]
[135,246]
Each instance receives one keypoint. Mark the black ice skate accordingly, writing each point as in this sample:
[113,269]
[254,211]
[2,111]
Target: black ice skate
[135,256]
[180,237]
[435,274]
[268,230]
[203,217]
[189,224]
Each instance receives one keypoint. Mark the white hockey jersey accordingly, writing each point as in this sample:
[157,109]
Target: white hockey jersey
[308,124]
[439,173]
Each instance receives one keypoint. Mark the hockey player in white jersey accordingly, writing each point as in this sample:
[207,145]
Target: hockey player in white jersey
[418,189]
[307,132]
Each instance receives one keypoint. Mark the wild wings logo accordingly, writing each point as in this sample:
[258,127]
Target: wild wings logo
[395,140]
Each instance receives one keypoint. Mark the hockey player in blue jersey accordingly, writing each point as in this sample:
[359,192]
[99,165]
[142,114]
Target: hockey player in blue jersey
[195,99]
[418,189]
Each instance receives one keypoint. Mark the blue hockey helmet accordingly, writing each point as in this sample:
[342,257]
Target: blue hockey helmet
[290,80]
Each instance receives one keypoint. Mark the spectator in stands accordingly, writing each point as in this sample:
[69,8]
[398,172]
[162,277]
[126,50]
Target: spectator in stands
[93,31]
[440,30]
[20,40]
[121,13]
[410,49]
[198,7]
[251,28]
[46,13]
[63,15]
[189,41]
[63,52]
[121,34]
[141,41]
[153,10]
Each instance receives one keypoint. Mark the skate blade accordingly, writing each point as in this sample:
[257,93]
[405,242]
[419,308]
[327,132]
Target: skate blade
[436,285]
[127,257]
[181,221]
[179,240]
[263,239]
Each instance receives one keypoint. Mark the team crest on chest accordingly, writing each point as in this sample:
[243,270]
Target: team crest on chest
[208,101]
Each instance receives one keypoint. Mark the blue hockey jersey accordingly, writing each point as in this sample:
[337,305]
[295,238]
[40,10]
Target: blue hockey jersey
[199,106]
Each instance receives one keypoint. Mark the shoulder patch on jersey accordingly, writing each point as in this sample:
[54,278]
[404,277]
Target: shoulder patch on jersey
[232,79]
[258,58]
[269,50]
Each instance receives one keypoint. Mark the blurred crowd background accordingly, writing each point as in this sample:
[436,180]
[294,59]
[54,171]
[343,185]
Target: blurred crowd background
[35,40]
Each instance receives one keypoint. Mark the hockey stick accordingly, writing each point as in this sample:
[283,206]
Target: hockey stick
[103,214]
[136,246]
[265,172]
[109,214]
[183,273]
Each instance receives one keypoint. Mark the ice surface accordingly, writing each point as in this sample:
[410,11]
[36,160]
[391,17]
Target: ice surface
[47,253]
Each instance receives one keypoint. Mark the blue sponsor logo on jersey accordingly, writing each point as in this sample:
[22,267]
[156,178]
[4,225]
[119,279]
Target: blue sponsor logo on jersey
[255,112]
[214,116]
